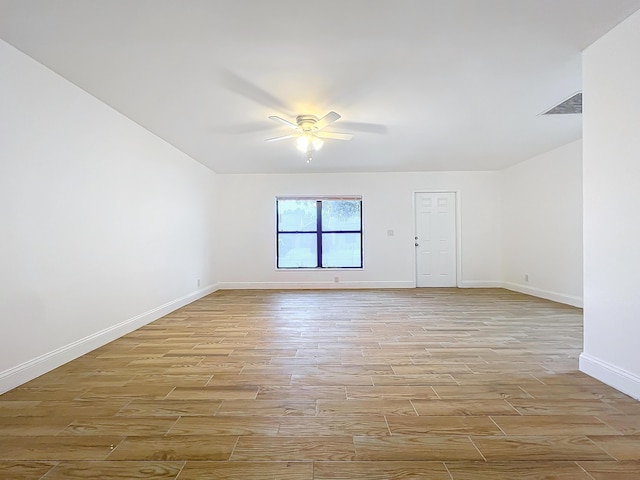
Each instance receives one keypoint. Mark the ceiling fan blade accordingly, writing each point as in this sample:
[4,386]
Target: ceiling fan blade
[365,127]
[334,135]
[326,120]
[275,139]
[286,122]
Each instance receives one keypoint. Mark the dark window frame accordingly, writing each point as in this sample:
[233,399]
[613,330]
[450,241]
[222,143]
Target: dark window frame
[318,232]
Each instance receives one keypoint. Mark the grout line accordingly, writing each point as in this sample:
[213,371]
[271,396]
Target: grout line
[123,407]
[517,411]
[496,423]
[602,448]
[170,391]
[473,443]
[388,427]
[114,448]
[184,464]
[618,431]
[537,379]
[584,470]
[525,391]
[447,469]
[436,392]
[46,474]
[234,448]
[174,424]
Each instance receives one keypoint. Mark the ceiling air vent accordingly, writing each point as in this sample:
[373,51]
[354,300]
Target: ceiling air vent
[572,104]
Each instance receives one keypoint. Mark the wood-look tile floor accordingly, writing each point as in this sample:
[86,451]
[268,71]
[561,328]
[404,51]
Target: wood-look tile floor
[297,385]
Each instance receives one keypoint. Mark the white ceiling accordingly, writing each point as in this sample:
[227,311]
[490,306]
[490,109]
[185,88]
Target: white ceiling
[457,84]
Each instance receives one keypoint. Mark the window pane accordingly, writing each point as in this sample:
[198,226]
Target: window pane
[341,250]
[297,215]
[297,250]
[341,215]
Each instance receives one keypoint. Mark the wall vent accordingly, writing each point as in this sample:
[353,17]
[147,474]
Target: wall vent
[571,105]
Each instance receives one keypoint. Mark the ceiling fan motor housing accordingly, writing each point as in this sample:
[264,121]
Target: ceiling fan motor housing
[306,122]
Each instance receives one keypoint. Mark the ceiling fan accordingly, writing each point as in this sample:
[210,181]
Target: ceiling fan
[309,132]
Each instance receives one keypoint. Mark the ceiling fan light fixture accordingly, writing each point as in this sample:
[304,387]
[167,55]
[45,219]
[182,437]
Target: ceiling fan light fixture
[302,143]
[308,142]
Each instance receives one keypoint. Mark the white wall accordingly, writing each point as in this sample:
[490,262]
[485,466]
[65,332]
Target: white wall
[542,225]
[103,226]
[248,222]
[611,69]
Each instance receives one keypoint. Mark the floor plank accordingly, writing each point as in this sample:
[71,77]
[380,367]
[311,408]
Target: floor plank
[445,425]
[175,447]
[380,470]
[416,448]
[120,470]
[612,470]
[294,448]
[57,447]
[539,470]
[547,425]
[539,447]
[19,470]
[247,470]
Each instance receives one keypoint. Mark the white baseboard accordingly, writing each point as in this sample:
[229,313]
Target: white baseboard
[480,284]
[556,297]
[615,377]
[537,292]
[20,374]
[312,285]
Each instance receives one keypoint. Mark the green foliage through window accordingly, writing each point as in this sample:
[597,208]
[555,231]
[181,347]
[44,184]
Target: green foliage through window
[319,233]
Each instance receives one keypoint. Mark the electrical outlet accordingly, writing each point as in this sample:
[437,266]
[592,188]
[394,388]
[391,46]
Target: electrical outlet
[526,277]
[336,279]
[198,282]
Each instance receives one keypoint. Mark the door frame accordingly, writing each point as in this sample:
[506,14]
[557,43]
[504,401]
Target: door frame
[458,234]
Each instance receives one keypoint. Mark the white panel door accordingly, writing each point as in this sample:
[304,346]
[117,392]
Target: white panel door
[435,239]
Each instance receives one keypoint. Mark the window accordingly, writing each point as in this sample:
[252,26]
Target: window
[319,232]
